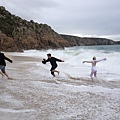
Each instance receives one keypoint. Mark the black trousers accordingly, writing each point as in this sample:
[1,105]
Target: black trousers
[53,68]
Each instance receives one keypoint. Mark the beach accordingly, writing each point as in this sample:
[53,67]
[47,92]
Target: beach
[59,60]
[31,95]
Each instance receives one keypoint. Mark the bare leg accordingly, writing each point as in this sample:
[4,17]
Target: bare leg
[56,71]
[7,76]
[3,75]
[91,75]
[95,73]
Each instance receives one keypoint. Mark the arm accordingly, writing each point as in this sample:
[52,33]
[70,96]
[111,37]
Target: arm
[59,60]
[87,61]
[7,59]
[47,60]
[101,60]
[44,61]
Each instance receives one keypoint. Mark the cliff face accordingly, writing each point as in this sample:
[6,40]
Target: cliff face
[118,42]
[83,41]
[17,34]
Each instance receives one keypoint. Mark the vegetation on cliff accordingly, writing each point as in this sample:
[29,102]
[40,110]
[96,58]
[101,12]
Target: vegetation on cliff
[17,34]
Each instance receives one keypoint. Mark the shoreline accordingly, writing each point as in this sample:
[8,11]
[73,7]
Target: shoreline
[32,96]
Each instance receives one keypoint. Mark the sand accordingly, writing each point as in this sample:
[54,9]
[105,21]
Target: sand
[33,96]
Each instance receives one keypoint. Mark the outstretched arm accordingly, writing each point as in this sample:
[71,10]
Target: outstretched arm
[87,61]
[59,60]
[101,60]
[7,59]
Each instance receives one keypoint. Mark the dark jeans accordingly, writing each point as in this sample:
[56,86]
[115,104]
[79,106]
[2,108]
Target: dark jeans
[2,68]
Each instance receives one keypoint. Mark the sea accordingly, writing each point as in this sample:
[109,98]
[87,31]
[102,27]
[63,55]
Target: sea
[33,93]
[73,57]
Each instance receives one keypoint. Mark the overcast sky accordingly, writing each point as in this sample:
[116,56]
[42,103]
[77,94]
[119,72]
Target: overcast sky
[74,17]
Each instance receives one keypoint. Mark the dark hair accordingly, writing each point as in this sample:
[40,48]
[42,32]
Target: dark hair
[49,54]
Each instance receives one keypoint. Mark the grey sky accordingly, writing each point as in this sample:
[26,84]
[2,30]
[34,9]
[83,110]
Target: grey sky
[77,17]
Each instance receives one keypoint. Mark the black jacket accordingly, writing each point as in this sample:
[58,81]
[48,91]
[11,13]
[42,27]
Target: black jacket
[3,58]
[53,60]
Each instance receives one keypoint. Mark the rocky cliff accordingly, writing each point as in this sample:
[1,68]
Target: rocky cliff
[17,34]
[117,42]
[86,41]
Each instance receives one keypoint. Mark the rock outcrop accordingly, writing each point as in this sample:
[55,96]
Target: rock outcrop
[86,41]
[117,42]
[17,34]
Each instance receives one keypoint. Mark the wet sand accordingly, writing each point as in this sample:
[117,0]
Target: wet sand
[31,96]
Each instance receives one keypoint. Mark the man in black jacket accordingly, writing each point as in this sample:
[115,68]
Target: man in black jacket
[3,64]
[53,63]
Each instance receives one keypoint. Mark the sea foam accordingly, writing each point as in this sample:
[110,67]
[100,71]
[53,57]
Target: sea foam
[74,56]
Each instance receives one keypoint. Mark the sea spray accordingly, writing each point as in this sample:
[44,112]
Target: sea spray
[74,56]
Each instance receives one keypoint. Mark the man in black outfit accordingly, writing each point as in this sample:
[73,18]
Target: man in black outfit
[3,64]
[53,63]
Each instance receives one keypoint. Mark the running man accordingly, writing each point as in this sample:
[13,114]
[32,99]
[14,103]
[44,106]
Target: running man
[53,63]
[3,65]
[94,69]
